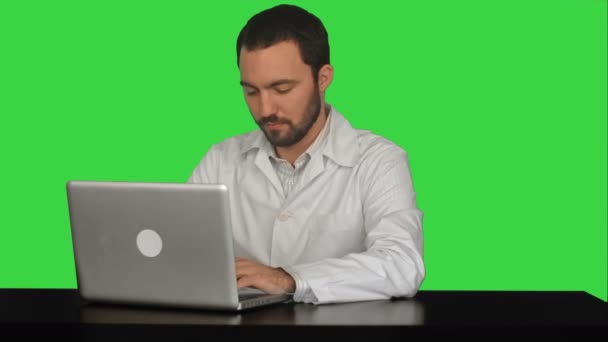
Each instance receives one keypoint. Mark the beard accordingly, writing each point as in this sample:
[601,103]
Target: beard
[294,133]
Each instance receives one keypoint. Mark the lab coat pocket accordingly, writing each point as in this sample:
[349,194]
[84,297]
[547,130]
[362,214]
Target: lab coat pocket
[339,233]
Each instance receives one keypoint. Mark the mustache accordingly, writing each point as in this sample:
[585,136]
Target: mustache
[272,119]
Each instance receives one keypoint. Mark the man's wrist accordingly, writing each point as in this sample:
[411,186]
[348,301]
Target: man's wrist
[288,283]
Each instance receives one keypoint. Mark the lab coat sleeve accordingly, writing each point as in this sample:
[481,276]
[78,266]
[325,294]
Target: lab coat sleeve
[392,264]
[207,169]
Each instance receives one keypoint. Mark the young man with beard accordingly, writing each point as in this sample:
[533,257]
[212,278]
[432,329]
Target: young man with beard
[319,209]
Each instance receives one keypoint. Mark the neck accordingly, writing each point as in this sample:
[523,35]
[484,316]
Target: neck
[291,153]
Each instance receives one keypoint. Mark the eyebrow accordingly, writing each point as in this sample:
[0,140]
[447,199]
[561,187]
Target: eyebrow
[271,85]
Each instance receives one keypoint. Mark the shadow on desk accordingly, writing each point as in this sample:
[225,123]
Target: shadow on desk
[402,312]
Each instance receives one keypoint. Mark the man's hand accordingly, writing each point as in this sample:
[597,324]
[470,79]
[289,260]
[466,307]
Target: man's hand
[270,280]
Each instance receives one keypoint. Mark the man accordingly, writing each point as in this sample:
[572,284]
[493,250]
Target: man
[319,209]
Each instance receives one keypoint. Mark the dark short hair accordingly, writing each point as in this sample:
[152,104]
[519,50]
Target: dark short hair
[287,23]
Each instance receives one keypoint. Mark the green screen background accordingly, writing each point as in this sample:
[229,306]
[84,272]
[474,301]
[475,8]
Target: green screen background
[501,106]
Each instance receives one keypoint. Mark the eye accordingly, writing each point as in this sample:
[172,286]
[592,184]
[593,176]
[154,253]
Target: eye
[249,91]
[283,90]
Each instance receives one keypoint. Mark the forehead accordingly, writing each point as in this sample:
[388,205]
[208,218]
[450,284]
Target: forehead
[279,61]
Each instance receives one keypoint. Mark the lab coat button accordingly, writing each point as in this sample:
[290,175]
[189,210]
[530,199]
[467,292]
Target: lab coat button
[284,216]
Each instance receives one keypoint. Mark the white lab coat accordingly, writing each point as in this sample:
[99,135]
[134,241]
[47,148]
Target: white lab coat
[349,231]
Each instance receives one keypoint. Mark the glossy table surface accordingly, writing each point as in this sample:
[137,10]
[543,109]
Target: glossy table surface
[44,312]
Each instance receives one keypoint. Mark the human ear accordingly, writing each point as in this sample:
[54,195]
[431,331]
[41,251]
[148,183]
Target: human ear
[326,76]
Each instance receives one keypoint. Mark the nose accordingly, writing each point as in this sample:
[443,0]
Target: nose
[267,105]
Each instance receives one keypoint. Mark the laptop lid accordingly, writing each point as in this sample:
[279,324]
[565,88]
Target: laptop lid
[164,244]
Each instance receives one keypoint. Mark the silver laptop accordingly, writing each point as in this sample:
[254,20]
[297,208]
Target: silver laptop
[164,244]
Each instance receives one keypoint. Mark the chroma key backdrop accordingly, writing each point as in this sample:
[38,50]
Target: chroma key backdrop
[501,106]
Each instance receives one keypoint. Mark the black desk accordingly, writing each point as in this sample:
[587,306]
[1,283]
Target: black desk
[44,313]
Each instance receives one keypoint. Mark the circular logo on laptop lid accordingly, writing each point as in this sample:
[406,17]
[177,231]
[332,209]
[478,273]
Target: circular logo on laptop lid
[149,243]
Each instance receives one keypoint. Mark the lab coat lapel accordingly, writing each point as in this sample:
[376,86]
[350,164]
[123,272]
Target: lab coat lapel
[315,167]
[262,162]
